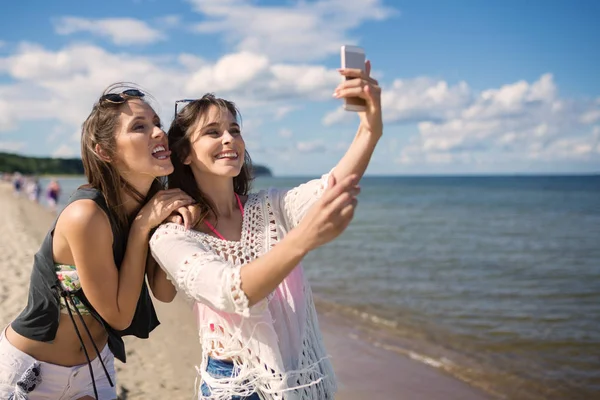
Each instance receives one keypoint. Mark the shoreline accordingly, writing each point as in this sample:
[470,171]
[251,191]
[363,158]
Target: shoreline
[156,368]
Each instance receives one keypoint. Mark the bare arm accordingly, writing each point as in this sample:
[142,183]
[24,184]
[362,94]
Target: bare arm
[263,275]
[298,200]
[113,292]
[161,287]
[370,130]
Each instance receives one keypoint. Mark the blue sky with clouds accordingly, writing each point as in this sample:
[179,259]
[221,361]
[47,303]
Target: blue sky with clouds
[469,87]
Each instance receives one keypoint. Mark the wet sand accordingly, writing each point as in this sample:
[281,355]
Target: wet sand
[162,367]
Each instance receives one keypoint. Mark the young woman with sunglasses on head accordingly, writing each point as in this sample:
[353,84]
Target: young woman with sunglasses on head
[241,264]
[87,287]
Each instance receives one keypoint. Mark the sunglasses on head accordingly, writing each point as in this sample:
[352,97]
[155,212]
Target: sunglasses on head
[178,102]
[118,98]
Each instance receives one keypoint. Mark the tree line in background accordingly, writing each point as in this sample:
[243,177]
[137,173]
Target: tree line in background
[11,163]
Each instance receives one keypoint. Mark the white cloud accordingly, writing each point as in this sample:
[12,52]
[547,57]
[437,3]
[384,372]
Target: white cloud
[299,31]
[191,62]
[339,115]
[7,121]
[229,73]
[121,31]
[62,85]
[55,133]
[413,100]
[423,99]
[341,146]
[574,148]
[65,151]
[520,120]
[12,146]
[286,133]
[2,43]
[253,147]
[591,117]
[283,111]
[314,146]
[169,21]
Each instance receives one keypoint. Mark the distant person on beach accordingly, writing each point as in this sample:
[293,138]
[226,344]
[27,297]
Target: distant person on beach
[87,287]
[34,190]
[241,264]
[53,194]
[17,183]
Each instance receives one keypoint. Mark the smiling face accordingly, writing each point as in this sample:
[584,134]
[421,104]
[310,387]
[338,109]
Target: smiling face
[142,151]
[217,146]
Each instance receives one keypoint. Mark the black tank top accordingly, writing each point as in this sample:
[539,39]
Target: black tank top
[39,320]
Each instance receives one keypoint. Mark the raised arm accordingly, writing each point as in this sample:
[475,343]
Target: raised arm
[370,130]
[297,201]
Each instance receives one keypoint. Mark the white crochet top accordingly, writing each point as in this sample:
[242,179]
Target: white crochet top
[276,344]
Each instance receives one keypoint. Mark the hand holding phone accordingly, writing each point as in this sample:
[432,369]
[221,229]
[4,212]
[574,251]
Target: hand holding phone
[353,57]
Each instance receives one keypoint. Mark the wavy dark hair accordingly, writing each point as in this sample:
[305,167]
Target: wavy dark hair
[180,132]
[99,129]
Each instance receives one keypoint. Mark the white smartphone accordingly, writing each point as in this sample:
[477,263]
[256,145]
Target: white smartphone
[354,57]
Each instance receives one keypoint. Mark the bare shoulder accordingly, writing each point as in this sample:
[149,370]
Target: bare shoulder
[81,217]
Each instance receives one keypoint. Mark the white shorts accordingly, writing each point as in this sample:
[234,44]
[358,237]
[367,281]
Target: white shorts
[57,382]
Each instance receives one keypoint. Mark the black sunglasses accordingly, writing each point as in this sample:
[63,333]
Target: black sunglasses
[118,98]
[182,101]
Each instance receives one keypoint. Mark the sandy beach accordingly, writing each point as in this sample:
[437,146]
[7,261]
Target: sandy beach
[162,367]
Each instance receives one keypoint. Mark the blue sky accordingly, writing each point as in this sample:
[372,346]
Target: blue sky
[469,87]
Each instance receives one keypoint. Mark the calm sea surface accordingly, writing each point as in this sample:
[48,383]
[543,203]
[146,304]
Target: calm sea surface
[493,279]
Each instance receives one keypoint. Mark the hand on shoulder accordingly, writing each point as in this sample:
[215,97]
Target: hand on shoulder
[160,207]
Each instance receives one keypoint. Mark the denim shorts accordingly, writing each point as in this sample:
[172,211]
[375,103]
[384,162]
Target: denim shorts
[222,369]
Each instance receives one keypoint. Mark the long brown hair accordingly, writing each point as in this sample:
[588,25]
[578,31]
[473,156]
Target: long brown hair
[100,129]
[180,133]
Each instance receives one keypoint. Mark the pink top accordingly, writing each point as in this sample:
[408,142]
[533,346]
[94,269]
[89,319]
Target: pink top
[212,228]
[276,344]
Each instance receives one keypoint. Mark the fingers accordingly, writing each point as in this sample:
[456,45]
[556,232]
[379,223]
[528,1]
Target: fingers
[169,197]
[195,214]
[168,206]
[355,191]
[175,218]
[359,87]
[186,215]
[172,195]
[335,191]
[341,202]
[351,92]
[354,73]
[358,82]
[331,180]
[175,205]
[347,212]
[368,68]
[351,72]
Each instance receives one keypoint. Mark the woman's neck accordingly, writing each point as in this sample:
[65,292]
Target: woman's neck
[130,201]
[219,190]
